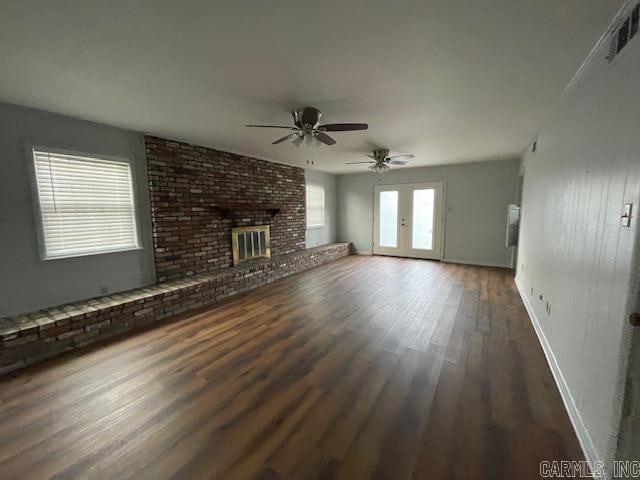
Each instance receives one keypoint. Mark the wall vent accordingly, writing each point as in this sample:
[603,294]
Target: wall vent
[624,32]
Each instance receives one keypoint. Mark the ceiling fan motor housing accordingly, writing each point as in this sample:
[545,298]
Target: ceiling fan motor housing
[310,117]
[381,154]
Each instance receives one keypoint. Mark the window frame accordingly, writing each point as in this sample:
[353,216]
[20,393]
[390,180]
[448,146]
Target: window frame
[35,199]
[614,33]
[324,207]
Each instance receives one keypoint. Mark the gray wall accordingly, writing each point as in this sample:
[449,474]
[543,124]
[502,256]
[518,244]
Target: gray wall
[476,199]
[574,251]
[26,283]
[329,233]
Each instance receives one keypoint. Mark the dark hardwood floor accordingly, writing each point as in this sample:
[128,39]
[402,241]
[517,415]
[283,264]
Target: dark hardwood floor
[368,367]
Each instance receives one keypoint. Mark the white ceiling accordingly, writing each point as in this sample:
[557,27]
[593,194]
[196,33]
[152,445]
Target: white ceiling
[448,80]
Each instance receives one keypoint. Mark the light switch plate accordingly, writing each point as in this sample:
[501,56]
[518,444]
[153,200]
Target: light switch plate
[626,215]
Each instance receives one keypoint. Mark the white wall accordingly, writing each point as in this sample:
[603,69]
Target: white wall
[26,283]
[328,233]
[476,199]
[574,252]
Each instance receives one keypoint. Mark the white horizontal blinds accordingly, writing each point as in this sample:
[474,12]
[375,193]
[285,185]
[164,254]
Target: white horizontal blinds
[86,204]
[315,205]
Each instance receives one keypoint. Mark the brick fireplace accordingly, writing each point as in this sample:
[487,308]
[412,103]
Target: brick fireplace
[199,194]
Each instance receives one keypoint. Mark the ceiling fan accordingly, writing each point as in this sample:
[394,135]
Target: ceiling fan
[382,160]
[307,124]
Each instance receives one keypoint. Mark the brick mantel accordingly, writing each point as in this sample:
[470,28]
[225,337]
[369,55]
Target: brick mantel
[188,184]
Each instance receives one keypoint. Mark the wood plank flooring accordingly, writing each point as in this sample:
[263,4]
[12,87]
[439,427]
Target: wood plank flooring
[368,367]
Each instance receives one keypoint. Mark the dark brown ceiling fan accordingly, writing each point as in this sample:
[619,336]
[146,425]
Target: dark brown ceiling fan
[307,123]
[382,160]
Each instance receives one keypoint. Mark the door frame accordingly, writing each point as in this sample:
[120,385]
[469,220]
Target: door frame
[438,251]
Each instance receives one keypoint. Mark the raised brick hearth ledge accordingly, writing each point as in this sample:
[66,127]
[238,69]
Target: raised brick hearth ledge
[30,338]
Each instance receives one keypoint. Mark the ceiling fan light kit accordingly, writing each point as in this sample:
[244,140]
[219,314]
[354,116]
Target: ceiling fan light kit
[379,168]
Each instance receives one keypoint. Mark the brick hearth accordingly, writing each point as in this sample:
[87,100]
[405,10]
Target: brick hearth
[28,339]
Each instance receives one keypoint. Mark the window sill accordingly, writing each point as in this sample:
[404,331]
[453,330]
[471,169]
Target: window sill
[315,227]
[88,254]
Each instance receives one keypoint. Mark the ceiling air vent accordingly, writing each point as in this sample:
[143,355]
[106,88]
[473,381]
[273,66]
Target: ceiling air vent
[626,30]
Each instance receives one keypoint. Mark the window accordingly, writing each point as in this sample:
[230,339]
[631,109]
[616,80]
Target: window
[86,204]
[626,31]
[422,226]
[389,219]
[315,206]
[623,36]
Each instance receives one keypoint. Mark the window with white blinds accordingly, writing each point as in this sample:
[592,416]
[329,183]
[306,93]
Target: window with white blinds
[315,205]
[86,204]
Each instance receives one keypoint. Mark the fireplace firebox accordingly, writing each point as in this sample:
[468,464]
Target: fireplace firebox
[248,243]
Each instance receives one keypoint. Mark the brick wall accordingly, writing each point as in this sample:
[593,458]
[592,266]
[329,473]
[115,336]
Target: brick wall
[186,181]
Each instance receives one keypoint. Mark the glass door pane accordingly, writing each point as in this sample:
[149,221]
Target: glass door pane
[389,219]
[422,231]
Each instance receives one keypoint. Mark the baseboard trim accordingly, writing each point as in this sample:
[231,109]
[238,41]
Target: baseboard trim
[446,260]
[479,264]
[585,440]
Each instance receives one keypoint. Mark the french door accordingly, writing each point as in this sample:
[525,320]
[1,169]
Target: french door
[408,220]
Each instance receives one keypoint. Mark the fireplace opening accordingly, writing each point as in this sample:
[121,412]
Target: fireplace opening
[248,243]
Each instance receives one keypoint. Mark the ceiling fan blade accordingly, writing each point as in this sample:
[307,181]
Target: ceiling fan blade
[286,137]
[356,163]
[271,126]
[396,162]
[324,138]
[343,127]
[402,158]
